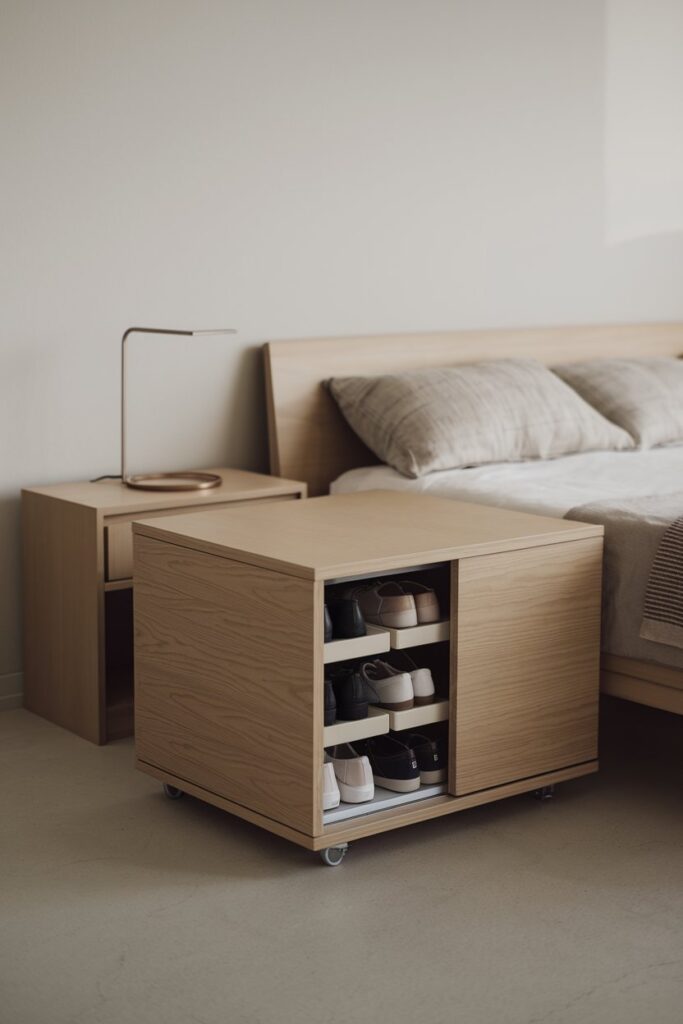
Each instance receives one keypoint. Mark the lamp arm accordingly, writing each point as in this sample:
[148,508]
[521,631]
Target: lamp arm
[124,339]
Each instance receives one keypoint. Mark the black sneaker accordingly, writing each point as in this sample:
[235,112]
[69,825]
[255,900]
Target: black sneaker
[349,691]
[393,764]
[347,618]
[328,625]
[330,703]
[431,756]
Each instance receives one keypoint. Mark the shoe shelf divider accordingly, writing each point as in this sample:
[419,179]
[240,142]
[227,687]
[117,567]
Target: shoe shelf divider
[383,800]
[376,724]
[416,636]
[422,714]
[376,641]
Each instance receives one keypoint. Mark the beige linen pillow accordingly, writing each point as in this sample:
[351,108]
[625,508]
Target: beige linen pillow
[447,418]
[643,396]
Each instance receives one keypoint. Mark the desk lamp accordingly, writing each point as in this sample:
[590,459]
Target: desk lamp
[185,481]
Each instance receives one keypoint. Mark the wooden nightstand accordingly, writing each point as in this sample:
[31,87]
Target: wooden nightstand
[78,591]
[230,658]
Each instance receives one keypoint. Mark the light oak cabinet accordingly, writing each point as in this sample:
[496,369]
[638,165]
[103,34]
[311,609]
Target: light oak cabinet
[230,659]
[78,590]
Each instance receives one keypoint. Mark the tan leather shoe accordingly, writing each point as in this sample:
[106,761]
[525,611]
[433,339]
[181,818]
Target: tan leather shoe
[426,601]
[387,605]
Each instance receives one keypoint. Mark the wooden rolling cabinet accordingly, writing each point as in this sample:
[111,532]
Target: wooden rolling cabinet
[230,659]
[78,590]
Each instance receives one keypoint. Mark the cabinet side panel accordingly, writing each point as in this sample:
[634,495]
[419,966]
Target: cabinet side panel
[528,653]
[225,679]
[63,614]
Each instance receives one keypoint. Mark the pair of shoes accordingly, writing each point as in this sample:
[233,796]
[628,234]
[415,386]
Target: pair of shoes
[343,618]
[431,754]
[345,697]
[402,762]
[399,685]
[398,604]
[350,776]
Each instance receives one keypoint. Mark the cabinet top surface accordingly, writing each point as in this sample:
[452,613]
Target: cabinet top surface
[341,535]
[111,497]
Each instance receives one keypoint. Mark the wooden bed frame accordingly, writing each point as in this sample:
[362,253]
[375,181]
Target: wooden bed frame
[309,439]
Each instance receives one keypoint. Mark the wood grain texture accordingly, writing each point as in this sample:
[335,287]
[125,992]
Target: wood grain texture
[527,668]
[65,530]
[384,821]
[228,669]
[661,674]
[643,682]
[436,807]
[119,531]
[63,614]
[372,531]
[311,441]
[111,497]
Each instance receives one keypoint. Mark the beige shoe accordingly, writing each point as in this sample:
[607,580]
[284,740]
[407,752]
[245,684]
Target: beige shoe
[353,773]
[387,605]
[426,601]
[420,678]
[331,795]
[392,688]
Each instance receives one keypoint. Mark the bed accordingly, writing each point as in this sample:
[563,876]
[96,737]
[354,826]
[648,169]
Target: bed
[309,440]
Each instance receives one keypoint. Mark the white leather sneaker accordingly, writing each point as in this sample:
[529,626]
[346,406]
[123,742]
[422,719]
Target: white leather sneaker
[426,601]
[387,686]
[421,678]
[331,794]
[387,604]
[353,774]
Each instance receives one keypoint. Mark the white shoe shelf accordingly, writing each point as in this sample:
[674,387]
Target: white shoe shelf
[376,641]
[229,702]
[377,723]
[383,800]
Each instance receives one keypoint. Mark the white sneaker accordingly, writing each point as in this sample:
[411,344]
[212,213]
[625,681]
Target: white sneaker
[421,678]
[353,774]
[387,604]
[390,687]
[426,601]
[331,794]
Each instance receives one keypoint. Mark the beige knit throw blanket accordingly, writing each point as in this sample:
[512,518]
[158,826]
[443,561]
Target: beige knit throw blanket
[663,611]
[643,574]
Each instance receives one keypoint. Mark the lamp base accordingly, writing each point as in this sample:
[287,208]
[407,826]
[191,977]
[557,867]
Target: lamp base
[188,481]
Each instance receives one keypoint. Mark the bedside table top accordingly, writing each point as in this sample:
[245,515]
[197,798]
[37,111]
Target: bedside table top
[111,497]
[371,531]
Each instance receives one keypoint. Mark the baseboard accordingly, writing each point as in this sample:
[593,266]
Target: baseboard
[11,691]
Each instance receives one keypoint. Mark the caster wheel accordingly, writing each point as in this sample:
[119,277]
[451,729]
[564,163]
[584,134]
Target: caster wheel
[544,793]
[172,792]
[334,855]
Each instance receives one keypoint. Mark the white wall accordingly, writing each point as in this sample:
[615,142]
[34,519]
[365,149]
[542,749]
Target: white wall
[290,167]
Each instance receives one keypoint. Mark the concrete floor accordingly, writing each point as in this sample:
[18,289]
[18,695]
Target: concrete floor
[120,906]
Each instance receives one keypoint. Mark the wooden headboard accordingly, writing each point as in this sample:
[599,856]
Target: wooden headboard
[309,439]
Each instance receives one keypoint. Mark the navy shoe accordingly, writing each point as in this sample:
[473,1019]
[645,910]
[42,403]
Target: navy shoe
[431,756]
[393,764]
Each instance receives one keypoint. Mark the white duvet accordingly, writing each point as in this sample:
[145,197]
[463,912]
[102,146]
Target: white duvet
[551,487]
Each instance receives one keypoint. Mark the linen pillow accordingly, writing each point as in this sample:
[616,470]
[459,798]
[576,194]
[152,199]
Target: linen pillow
[500,411]
[643,396]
